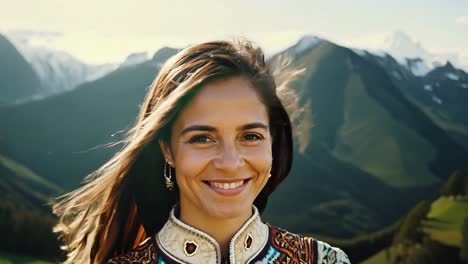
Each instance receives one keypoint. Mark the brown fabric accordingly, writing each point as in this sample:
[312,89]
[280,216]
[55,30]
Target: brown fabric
[145,253]
[294,249]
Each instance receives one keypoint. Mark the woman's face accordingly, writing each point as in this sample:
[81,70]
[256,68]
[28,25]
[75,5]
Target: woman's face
[221,150]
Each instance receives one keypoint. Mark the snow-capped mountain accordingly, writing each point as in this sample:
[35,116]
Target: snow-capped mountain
[412,54]
[442,90]
[448,85]
[305,43]
[57,70]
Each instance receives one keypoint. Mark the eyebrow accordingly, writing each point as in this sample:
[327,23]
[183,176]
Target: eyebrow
[213,129]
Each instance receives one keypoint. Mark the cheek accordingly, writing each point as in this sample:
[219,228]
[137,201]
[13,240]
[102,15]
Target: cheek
[190,163]
[260,159]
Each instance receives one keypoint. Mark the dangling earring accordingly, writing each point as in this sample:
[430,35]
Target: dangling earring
[169,182]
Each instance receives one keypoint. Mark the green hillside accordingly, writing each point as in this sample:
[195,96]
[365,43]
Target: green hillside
[23,173]
[443,224]
[449,116]
[445,220]
[369,130]
[362,118]
[458,131]
[21,184]
[361,139]
[330,197]
[25,218]
[64,137]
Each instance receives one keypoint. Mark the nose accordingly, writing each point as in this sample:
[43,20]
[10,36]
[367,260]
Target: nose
[229,158]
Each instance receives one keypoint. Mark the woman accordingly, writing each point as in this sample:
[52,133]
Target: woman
[211,142]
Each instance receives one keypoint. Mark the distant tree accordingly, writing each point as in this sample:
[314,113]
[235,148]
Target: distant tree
[410,230]
[455,185]
[464,244]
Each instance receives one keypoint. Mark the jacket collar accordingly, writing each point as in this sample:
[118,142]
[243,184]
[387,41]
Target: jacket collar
[186,244]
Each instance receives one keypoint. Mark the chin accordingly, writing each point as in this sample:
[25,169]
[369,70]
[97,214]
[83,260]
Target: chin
[227,211]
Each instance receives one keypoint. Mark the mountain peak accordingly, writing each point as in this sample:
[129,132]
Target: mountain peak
[405,50]
[163,54]
[135,58]
[449,66]
[400,45]
[305,43]
[57,70]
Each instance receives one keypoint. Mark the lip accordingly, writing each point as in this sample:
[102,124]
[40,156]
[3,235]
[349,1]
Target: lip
[227,180]
[227,192]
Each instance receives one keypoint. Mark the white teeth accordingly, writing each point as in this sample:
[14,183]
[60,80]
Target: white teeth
[226,186]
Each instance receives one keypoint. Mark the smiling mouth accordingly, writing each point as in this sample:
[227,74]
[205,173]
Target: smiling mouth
[226,185]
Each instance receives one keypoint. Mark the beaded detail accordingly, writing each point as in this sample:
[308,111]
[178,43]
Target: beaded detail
[248,242]
[190,248]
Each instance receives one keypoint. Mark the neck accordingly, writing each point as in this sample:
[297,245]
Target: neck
[221,229]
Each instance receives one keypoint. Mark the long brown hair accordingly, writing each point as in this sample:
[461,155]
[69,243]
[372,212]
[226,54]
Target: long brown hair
[125,201]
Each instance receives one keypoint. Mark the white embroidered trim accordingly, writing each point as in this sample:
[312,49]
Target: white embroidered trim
[232,256]
[256,228]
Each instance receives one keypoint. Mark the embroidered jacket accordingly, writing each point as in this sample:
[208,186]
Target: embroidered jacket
[255,242]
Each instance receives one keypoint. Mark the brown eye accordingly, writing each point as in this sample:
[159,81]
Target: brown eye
[252,137]
[201,139]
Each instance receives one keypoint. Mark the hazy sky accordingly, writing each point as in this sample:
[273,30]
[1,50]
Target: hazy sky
[99,31]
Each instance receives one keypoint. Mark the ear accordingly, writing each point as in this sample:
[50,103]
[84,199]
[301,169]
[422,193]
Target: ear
[166,151]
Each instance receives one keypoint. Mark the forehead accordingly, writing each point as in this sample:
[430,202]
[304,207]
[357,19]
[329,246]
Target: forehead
[225,102]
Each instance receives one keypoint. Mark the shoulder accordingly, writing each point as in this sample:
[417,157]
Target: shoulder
[306,249]
[143,253]
[328,254]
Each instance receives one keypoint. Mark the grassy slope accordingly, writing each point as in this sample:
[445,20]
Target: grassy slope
[62,137]
[369,132]
[446,218]
[25,216]
[357,128]
[457,131]
[22,185]
[335,180]
[24,173]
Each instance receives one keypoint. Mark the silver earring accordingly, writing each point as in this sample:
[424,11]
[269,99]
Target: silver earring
[169,182]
